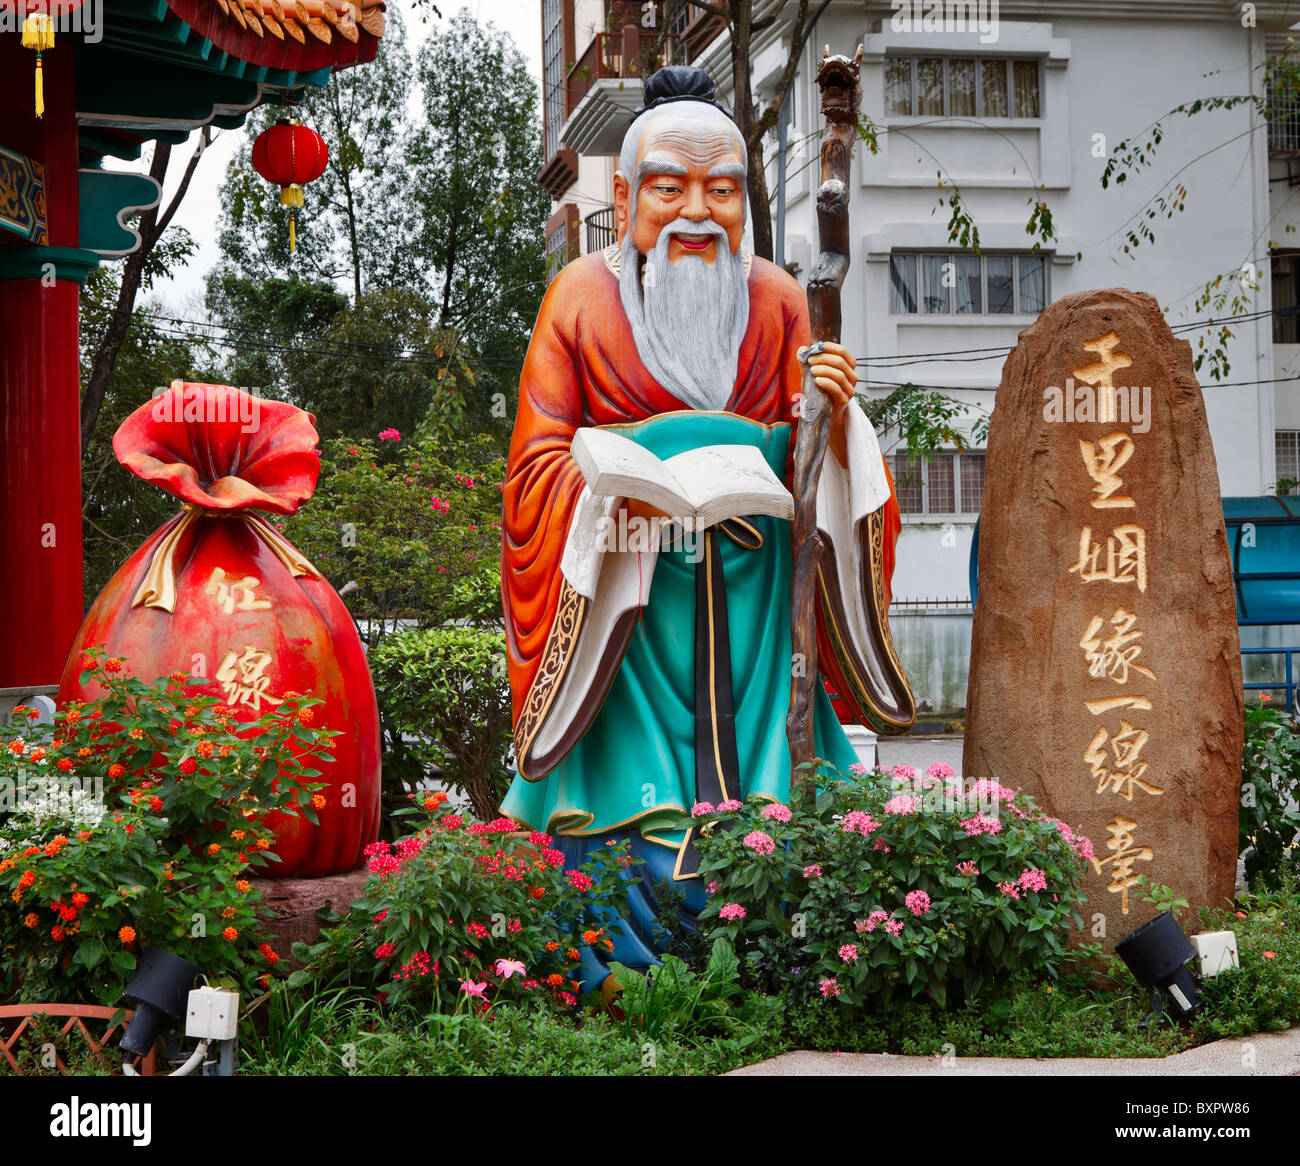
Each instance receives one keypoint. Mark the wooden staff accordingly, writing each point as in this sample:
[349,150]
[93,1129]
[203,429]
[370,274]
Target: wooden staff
[841,94]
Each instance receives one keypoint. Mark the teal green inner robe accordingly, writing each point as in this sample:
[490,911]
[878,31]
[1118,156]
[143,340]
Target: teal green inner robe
[635,765]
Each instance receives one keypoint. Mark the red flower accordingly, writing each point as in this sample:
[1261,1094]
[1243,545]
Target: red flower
[113,664]
[116,770]
[189,765]
[126,934]
[230,933]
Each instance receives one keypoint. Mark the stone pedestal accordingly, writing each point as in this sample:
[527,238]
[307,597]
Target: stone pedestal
[1105,668]
[293,904]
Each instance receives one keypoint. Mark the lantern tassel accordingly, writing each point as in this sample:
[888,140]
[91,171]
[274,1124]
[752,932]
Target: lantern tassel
[291,195]
[293,237]
[38,34]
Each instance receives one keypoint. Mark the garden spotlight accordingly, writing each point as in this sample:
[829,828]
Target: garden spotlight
[158,989]
[1156,954]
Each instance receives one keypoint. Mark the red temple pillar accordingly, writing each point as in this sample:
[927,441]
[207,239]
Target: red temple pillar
[41,600]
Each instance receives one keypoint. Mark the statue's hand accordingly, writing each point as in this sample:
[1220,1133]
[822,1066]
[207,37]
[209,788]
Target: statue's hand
[836,374]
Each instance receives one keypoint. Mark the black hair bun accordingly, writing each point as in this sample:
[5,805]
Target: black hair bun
[680,83]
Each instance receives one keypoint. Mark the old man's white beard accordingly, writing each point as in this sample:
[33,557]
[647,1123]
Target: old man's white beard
[688,318]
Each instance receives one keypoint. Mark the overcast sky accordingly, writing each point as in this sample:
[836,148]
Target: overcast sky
[200,212]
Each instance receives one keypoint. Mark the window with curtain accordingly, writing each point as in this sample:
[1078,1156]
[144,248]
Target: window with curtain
[976,87]
[957,283]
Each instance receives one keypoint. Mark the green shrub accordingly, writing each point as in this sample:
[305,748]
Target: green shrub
[881,886]
[1270,802]
[447,687]
[135,821]
[455,911]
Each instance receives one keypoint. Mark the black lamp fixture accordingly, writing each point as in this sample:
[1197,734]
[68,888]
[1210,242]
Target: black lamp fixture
[159,989]
[1156,953]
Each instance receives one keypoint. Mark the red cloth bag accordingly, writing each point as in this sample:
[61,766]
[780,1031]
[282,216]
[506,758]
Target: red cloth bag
[217,592]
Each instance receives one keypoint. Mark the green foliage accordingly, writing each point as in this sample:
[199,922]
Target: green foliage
[1263,993]
[475,161]
[1269,820]
[413,524]
[451,905]
[926,420]
[710,1003]
[879,889]
[87,886]
[447,687]
[334,1037]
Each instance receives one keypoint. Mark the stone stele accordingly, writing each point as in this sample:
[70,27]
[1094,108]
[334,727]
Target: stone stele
[1105,668]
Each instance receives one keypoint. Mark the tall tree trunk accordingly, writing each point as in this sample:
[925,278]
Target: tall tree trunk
[453,225]
[151,227]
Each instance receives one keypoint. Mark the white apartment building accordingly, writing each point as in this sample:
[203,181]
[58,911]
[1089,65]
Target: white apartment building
[1027,103]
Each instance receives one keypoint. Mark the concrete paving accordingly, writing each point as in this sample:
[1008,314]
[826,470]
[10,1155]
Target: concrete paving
[1273,1054]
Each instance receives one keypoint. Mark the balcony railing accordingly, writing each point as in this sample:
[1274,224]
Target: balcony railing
[600,229]
[630,53]
[1284,122]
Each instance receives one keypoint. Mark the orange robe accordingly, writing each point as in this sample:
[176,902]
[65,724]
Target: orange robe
[582,369]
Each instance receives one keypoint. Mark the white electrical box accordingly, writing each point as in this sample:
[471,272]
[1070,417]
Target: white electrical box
[1217,951]
[212,1013]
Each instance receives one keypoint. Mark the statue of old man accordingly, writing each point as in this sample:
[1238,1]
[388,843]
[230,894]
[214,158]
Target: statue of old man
[649,675]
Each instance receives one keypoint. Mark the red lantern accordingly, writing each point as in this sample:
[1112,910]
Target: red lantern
[290,154]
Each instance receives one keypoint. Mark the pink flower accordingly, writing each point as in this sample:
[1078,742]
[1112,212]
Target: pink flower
[849,953]
[893,926]
[776,812]
[981,823]
[730,806]
[452,822]
[828,988]
[700,809]
[857,769]
[712,888]
[1032,879]
[857,820]
[1009,889]
[389,434]
[812,872]
[940,771]
[902,804]
[539,839]
[903,773]
[579,881]
[760,843]
[507,968]
[918,902]
[991,791]
[870,923]
[438,505]
[969,869]
[879,844]
[731,912]
[472,989]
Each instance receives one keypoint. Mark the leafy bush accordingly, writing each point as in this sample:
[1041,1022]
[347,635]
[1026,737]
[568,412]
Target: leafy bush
[415,528]
[1270,802]
[447,688]
[135,821]
[879,886]
[456,910]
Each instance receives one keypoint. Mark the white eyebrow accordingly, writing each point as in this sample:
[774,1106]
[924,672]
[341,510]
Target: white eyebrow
[728,170]
[662,166]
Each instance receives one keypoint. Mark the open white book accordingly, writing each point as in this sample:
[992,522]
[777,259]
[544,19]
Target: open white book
[699,487]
